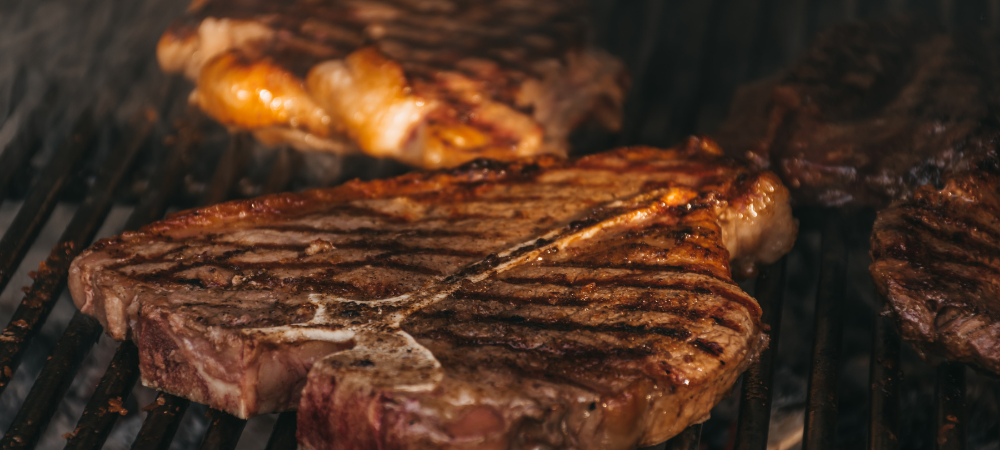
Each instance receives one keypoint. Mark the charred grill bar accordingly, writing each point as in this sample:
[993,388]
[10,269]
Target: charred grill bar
[685,71]
[950,394]
[755,398]
[821,404]
[161,423]
[884,380]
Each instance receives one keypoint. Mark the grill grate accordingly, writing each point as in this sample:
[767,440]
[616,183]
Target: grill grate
[688,58]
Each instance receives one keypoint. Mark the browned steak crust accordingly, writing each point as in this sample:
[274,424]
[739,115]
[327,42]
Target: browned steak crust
[935,261]
[432,83]
[582,304]
[872,111]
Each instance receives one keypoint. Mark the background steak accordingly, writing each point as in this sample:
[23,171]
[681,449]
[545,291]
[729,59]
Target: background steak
[433,84]
[872,111]
[935,261]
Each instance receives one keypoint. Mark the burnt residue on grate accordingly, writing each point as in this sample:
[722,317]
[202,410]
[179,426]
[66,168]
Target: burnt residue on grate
[80,90]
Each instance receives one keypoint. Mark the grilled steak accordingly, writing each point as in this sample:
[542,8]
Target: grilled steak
[431,83]
[935,262]
[582,304]
[872,111]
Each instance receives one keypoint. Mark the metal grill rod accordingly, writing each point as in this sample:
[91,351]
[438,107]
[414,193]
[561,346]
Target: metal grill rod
[43,198]
[755,398]
[161,423]
[15,157]
[687,440]
[949,390]
[166,181]
[653,15]
[821,401]
[18,89]
[223,432]
[884,376]
[229,168]
[100,415]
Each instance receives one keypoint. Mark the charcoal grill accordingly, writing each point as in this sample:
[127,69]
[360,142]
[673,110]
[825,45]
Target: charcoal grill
[686,57]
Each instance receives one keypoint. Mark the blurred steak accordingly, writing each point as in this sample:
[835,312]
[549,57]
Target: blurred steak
[872,111]
[935,260]
[583,304]
[433,83]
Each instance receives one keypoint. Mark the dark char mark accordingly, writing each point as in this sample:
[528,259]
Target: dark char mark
[632,266]
[302,266]
[709,347]
[364,231]
[923,248]
[962,234]
[629,281]
[624,304]
[399,249]
[570,349]
[563,325]
[576,365]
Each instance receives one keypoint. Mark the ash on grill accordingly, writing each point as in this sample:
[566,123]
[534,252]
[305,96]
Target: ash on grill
[62,62]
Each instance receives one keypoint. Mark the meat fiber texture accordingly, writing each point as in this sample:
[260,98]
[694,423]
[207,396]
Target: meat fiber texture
[934,260]
[537,304]
[871,112]
[430,83]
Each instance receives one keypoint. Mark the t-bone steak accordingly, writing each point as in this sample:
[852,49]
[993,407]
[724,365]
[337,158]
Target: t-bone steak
[535,304]
[935,261]
[431,83]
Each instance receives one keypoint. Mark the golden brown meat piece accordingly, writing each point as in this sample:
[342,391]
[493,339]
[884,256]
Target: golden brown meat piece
[535,304]
[433,83]
[935,261]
